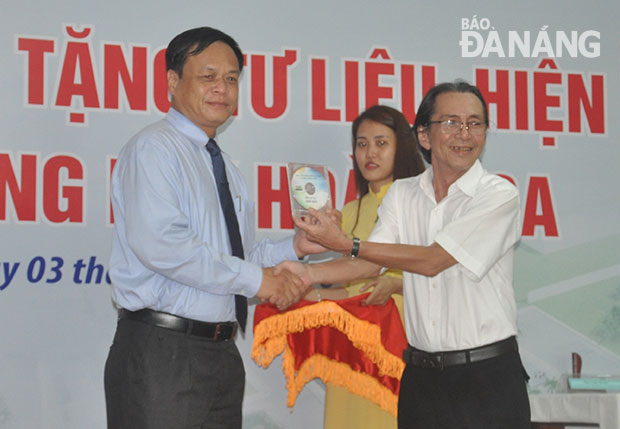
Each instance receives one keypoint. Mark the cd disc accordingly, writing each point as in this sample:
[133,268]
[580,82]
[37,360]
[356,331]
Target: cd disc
[310,188]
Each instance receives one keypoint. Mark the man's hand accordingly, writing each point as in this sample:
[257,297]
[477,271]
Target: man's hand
[302,271]
[334,214]
[281,289]
[384,286]
[305,246]
[323,228]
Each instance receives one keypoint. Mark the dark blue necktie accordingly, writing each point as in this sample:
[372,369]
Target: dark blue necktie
[228,208]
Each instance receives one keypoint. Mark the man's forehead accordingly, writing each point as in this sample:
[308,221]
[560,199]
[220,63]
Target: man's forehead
[215,67]
[457,104]
[215,57]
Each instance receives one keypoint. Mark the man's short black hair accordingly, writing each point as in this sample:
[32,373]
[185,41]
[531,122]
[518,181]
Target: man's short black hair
[427,107]
[194,41]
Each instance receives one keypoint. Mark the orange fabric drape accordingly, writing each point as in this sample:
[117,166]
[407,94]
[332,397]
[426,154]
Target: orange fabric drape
[341,342]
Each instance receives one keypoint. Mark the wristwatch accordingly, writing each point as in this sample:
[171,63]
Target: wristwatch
[355,250]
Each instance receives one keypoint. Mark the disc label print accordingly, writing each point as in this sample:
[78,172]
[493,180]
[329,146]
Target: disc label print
[309,187]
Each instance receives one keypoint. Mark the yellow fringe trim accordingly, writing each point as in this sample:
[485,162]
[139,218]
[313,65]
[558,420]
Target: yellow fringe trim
[337,373]
[270,339]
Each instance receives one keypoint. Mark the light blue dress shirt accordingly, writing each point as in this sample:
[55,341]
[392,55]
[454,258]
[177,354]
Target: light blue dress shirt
[171,250]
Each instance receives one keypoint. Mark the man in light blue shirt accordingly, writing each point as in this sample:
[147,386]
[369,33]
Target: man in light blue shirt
[174,362]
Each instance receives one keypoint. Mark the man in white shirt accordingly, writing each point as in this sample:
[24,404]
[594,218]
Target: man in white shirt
[453,231]
[184,259]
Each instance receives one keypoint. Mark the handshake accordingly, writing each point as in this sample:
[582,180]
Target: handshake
[284,284]
[289,281]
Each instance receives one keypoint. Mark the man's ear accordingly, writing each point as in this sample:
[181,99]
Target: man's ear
[423,137]
[173,80]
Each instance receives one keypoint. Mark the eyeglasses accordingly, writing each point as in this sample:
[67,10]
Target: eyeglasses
[452,126]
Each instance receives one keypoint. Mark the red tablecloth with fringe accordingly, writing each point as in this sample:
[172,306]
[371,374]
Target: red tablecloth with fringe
[341,342]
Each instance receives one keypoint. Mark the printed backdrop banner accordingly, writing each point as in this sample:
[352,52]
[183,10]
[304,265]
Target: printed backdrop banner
[79,78]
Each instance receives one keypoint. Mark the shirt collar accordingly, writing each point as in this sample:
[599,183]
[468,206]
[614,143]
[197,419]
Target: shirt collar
[186,127]
[426,183]
[467,183]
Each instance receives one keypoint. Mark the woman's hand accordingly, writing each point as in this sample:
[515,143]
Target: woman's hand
[384,287]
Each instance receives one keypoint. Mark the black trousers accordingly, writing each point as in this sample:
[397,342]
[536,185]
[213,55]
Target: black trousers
[489,394]
[158,378]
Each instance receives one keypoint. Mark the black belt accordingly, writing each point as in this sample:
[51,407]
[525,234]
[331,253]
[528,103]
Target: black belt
[440,360]
[222,331]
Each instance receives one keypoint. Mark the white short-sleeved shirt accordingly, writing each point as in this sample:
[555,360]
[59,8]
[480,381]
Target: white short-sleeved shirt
[472,303]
